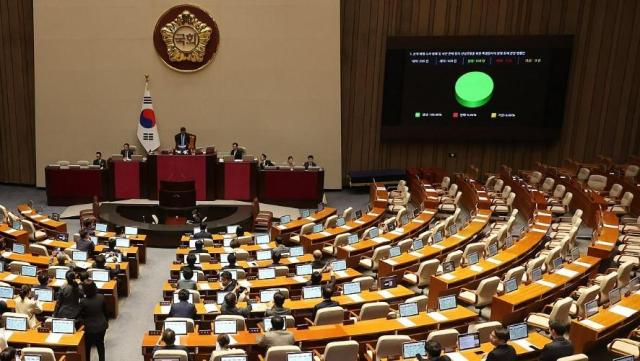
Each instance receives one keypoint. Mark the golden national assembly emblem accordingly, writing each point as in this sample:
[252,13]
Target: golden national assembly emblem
[186,38]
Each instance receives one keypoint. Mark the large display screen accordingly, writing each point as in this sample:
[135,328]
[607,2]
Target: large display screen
[475,88]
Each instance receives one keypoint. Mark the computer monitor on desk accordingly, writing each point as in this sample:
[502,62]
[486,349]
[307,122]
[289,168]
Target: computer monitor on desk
[468,341]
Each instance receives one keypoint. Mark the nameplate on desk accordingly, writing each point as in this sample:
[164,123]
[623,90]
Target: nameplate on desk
[398,231]
[416,254]
[6,254]
[581,264]
[165,309]
[459,236]
[54,338]
[494,261]
[45,220]
[10,277]
[325,233]
[416,220]
[476,268]
[566,272]
[346,227]
[438,246]
[372,214]
[294,259]
[312,219]
[592,324]
[342,274]
[359,221]
[622,310]
[447,276]
[603,243]
[406,322]
[380,240]
[538,230]
[356,298]
[300,279]
[456,356]
[210,307]
[437,316]
[11,230]
[204,286]
[524,343]
[546,283]
[385,294]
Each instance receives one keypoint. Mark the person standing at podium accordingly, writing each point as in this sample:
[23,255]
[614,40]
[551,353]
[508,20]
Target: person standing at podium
[126,151]
[182,141]
[236,152]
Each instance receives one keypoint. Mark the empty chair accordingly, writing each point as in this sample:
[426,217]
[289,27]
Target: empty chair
[422,277]
[190,324]
[547,185]
[4,214]
[347,214]
[502,198]
[373,310]
[624,347]
[484,329]
[240,322]
[281,271]
[623,274]
[624,207]
[340,241]
[330,222]
[387,223]
[278,353]
[497,188]
[450,205]
[38,250]
[421,300]
[454,257]
[305,229]
[563,207]
[614,194]
[340,351]
[366,282]
[204,257]
[444,185]
[448,338]
[398,204]
[178,355]
[583,174]
[328,316]
[471,248]
[16,266]
[401,213]
[386,347]
[588,294]
[515,272]
[535,178]
[537,262]
[367,232]
[559,313]
[44,353]
[481,296]
[405,245]
[505,208]
[380,253]
[631,170]
[34,235]
[558,194]
[597,182]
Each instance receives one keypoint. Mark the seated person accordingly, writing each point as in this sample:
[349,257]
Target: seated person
[8,354]
[559,346]
[199,247]
[182,141]
[90,225]
[27,304]
[196,217]
[502,350]
[230,285]
[236,151]
[277,336]
[203,232]
[229,307]
[234,243]
[290,162]
[183,308]
[316,280]
[275,258]
[239,231]
[169,340]
[101,263]
[43,279]
[327,302]
[434,349]
[62,259]
[222,347]
[191,263]
[280,247]
[3,336]
[188,283]
[232,259]
[309,162]
[84,243]
[110,252]
[264,162]
[99,161]
[126,151]
[278,308]
[318,262]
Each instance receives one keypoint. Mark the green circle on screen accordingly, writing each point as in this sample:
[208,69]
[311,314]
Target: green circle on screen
[474,89]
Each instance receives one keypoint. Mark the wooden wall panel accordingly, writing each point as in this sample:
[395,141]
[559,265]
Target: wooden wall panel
[17,118]
[603,101]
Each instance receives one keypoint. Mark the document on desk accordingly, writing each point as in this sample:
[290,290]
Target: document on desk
[582,264]
[348,248]
[294,259]
[566,272]
[47,241]
[281,226]
[622,310]
[494,261]
[359,221]
[342,274]
[177,341]
[398,231]
[416,254]
[212,307]
[607,244]
[385,294]
[391,262]
[456,356]
[356,298]
[437,316]
[300,279]
[380,240]
[265,246]
[258,307]
[204,286]
[6,254]
[325,233]
[406,322]
[438,246]
[592,324]
[429,212]
[371,214]
[459,236]
[447,276]
[54,337]
[165,309]
[416,220]
[524,343]
[546,283]
[346,227]
[312,219]
[10,277]
[476,268]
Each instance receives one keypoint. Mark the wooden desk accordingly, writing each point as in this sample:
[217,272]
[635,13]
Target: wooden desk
[295,225]
[71,346]
[298,188]
[14,235]
[314,241]
[606,324]
[470,276]
[251,267]
[410,261]
[515,306]
[607,230]
[68,186]
[354,252]
[378,195]
[215,251]
[42,220]
[208,289]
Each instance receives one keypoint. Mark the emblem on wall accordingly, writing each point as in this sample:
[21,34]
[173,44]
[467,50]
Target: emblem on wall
[186,38]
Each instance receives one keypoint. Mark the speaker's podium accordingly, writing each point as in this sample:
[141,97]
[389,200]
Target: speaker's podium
[177,194]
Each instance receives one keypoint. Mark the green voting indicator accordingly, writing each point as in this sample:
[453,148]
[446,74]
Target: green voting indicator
[474,89]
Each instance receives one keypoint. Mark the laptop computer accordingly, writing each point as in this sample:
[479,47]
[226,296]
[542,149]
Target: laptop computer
[234,358]
[590,308]
[130,231]
[267,324]
[408,309]
[101,227]
[473,258]
[123,242]
[283,220]
[305,213]
[557,263]
[614,296]
[6,292]
[179,327]
[304,269]
[225,327]
[18,248]
[16,225]
[394,251]
[510,285]
[220,297]
[340,265]
[317,228]
[492,250]
[411,349]
[518,331]
[358,214]
[79,255]
[44,294]
[437,237]
[28,270]
[536,274]
[267,295]
[311,292]
[352,239]
[266,273]
[62,325]
[263,255]
[350,288]
[234,228]
[262,239]
[340,222]
[15,323]
[100,275]
[417,245]
[375,232]
[468,341]
[448,267]
[296,251]
[447,302]
[388,282]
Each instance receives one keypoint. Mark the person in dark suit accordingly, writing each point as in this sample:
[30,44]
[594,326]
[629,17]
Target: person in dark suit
[502,350]
[84,243]
[318,262]
[278,308]
[236,152]
[8,354]
[169,340]
[231,259]
[309,162]
[327,302]
[191,263]
[126,151]
[183,308]
[182,140]
[264,162]
[277,336]
[101,263]
[93,314]
[99,161]
[199,247]
[188,283]
[230,285]
[230,307]
[280,247]
[203,232]
[316,280]
[68,299]
[559,346]
[434,349]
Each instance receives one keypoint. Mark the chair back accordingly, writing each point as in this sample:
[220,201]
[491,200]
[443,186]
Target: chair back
[535,177]
[181,355]
[553,254]
[379,254]
[341,351]
[615,191]
[455,257]
[624,274]
[631,170]
[405,245]
[626,200]
[487,288]
[347,214]
[559,191]
[190,324]
[547,185]
[330,222]
[497,187]
[421,300]
[38,250]
[453,190]
[366,282]
[560,311]
[477,247]
[583,174]
[427,269]
[597,182]
[28,226]
[588,294]
[448,338]
[484,329]
[306,228]
[566,200]
[515,272]
[390,346]
[240,322]
[279,353]
[606,285]
[576,357]
[45,353]
[329,316]
[373,310]
[445,183]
